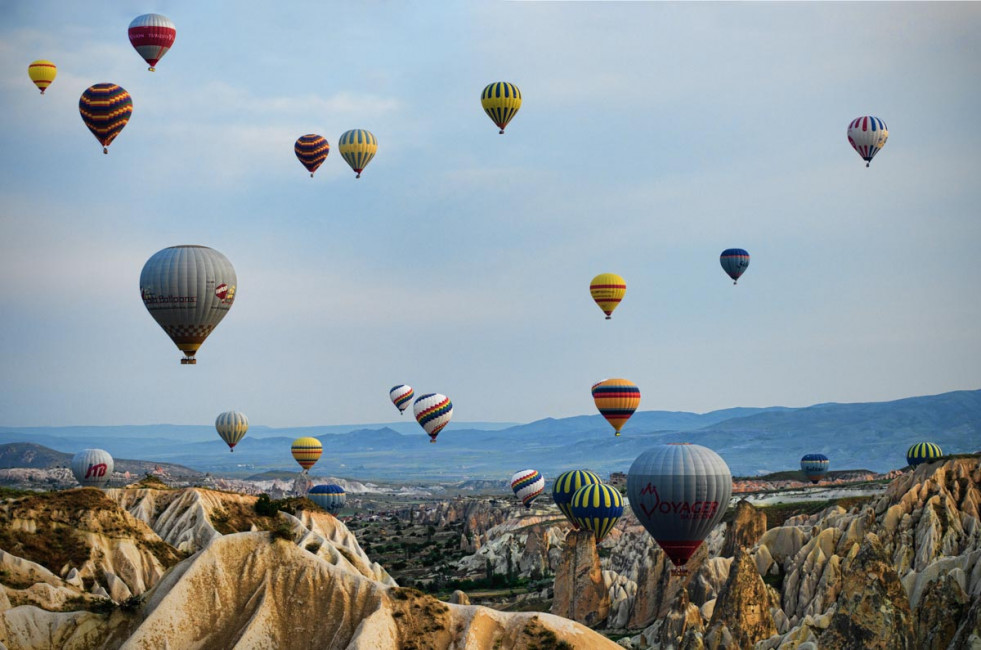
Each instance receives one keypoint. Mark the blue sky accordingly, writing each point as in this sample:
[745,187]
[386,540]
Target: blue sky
[652,136]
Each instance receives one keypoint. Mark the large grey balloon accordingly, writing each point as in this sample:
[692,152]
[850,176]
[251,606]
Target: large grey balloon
[679,492]
[92,467]
[188,290]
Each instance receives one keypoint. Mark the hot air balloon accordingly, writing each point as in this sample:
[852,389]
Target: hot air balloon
[312,150]
[607,290]
[231,426]
[330,497]
[401,397]
[188,290]
[923,452]
[566,485]
[92,467]
[527,485]
[357,147]
[734,262]
[105,109]
[679,492]
[501,101]
[433,412]
[597,508]
[616,399]
[42,73]
[867,135]
[814,466]
[306,451]
[151,36]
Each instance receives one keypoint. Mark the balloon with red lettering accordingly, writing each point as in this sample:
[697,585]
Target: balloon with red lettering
[597,508]
[528,484]
[188,290]
[566,485]
[433,412]
[152,35]
[306,451]
[401,397]
[679,492]
[231,426]
[92,467]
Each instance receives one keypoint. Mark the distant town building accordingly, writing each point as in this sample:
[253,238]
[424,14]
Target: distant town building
[618,479]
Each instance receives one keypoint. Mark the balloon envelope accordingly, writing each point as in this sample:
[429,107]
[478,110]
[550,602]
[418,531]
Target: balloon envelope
[433,412]
[401,397]
[734,262]
[311,150]
[152,35]
[105,109]
[501,101]
[188,290]
[306,451]
[616,399]
[42,73]
[565,486]
[922,452]
[814,466]
[597,508]
[231,426]
[92,467]
[679,492]
[527,485]
[867,135]
[607,290]
[357,148]
[330,497]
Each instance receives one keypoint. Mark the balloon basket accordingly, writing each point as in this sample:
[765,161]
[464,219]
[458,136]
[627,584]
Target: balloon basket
[189,361]
[679,571]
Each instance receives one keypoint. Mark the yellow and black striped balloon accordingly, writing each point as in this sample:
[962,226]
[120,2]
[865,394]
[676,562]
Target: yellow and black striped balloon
[501,101]
[311,150]
[566,485]
[923,452]
[105,109]
[597,508]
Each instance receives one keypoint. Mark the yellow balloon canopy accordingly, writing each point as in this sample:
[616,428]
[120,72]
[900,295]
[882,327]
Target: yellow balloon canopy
[608,290]
[501,101]
[42,73]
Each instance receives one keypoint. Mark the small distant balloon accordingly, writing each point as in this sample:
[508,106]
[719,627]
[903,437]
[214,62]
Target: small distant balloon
[734,262]
[306,451]
[357,148]
[105,109]
[330,497]
[401,397]
[433,412]
[92,467]
[311,150]
[152,35]
[501,101]
[528,484]
[42,72]
[597,508]
[566,485]
[232,426]
[607,290]
[923,452]
[814,466]
[867,135]
[616,399]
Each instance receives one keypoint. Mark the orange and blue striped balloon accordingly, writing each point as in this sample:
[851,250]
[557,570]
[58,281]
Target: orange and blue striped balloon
[566,485]
[923,452]
[306,451]
[105,109]
[616,399]
[597,508]
[312,150]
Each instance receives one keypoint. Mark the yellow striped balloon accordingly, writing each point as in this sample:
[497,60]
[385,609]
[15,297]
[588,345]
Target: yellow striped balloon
[597,508]
[607,289]
[923,452]
[501,101]
[357,147]
[306,451]
[42,73]
[232,426]
[566,485]
[616,399]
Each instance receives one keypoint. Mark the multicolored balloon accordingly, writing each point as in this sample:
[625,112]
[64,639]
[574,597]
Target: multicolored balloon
[527,485]
[312,150]
[105,109]
[401,397]
[152,35]
[42,72]
[306,451]
[679,492]
[357,147]
[734,262]
[867,135]
[814,466]
[330,497]
[92,467]
[597,508]
[501,101]
[433,412]
[923,452]
[566,485]
[188,290]
[231,426]
[607,290]
[616,399]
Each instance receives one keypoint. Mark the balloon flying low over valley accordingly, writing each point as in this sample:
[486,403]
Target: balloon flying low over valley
[649,139]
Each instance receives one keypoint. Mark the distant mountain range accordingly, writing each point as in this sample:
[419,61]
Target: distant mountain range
[753,441]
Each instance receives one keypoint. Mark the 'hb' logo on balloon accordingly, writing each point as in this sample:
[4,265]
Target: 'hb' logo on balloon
[96,471]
